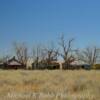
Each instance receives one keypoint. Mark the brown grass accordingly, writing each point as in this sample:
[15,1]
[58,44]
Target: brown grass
[49,85]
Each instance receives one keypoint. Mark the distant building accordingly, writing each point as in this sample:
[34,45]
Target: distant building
[81,64]
[14,64]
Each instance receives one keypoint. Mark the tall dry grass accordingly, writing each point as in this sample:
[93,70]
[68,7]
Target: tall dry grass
[49,85]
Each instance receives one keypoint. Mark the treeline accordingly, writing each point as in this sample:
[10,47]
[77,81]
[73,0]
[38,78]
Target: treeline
[48,56]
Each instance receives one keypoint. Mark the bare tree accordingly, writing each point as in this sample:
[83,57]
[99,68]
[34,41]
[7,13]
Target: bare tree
[4,58]
[21,52]
[67,51]
[89,55]
[42,53]
[36,53]
[39,56]
[51,54]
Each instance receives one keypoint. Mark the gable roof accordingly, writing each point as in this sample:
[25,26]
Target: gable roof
[14,61]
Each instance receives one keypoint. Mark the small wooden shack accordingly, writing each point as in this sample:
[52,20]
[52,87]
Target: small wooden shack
[14,64]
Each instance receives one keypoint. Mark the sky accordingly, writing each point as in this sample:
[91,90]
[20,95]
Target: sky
[42,21]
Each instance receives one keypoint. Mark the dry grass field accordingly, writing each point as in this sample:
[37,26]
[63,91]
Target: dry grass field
[49,85]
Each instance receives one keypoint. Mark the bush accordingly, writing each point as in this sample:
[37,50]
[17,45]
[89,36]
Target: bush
[50,66]
[39,66]
[53,66]
[96,66]
[71,67]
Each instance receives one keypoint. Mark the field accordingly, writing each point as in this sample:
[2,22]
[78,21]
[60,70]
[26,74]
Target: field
[49,85]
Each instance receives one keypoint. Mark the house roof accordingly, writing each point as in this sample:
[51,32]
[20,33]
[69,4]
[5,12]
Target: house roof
[13,61]
[77,63]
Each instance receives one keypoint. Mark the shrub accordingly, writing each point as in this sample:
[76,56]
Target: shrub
[53,66]
[96,66]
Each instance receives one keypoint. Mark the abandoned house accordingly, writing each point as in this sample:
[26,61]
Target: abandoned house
[14,64]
